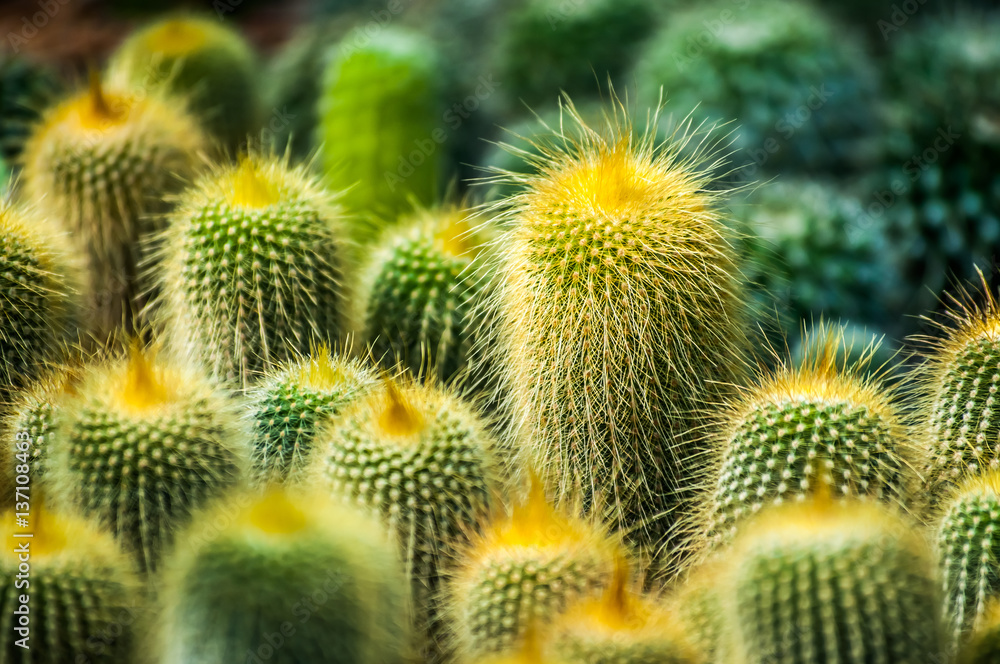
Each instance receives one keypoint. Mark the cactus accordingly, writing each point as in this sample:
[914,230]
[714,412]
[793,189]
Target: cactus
[101,162]
[523,568]
[379,123]
[619,321]
[697,604]
[78,600]
[959,382]
[838,583]
[424,459]
[252,267]
[201,59]
[969,556]
[289,405]
[41,284]
[983,645]
[141,444]
[796,82]
[815,427]
[420,292]
[285,578]
[621,627]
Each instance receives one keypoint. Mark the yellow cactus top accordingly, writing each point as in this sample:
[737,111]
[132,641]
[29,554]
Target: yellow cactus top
[52,535]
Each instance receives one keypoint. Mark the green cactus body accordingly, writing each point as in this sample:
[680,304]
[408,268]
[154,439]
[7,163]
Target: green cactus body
[102,163]
[252,268]
[697,605]
[140,445]
[39,311]
[288,579]
[379,121]
[523,569]
[422,292]
[31,418]
[833,584]
[288,407]
[82,593]
[616,264]
[969,554]
[203,60]
[423,458]
[796,83]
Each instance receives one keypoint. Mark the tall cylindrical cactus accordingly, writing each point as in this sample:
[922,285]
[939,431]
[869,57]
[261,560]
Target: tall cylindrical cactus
[252,268]
[620,321]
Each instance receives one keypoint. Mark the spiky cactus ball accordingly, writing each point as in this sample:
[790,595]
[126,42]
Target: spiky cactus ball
[524,568]
[796,82]
[252,268]
[78,594]
[379,123]
[291,404]
[101,162]
[202,60]
[41,305]
[287,578]
[421,294]
[969,548]
[832,583]
[815,427]
[620,322]
[425,460]
[142,443]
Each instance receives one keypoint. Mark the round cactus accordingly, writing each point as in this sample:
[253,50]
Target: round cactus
[521,569]
[379,123]
[202,60]
[423,458]
[40,309]
[252,267]
[969,556]
[76,603]
[837,583]
[815,427]
[620,320]
[286,579]
[290,404]
[142,443]
[697,605]
[421,292]
[102,162]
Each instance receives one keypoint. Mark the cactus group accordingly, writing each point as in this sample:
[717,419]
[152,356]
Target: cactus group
[140,444]
[252,268]
[620,321]
[287,578]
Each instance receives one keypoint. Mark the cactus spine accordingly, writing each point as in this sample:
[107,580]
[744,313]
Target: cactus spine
[422,295]
[522,568]
[290,405]
[252,268]
[102,162]
[288,579]
[837,583]
[814,427]
[141,444]
[423,458]
[82,592]
[619,321]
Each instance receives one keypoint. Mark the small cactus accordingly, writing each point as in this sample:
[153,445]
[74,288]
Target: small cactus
[287,579]
[833,583]
[425,460]
[82,594]
[102,162]
[421,293]
[523,568]
[620,322]
[252,268]
[141,444]
[203,60]
[814,427]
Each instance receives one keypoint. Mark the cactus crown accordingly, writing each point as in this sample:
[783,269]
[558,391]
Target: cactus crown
[56,535]
[177,36]
[252,184]
[534,521]
[276,514]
